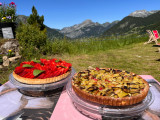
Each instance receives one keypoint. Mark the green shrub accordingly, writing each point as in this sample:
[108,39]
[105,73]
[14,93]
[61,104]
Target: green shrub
[30,53]
[29,35]
[31,39]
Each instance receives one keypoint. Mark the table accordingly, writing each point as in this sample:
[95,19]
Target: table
[25,106]
[45,108]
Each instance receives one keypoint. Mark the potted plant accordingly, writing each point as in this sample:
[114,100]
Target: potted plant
[7,16]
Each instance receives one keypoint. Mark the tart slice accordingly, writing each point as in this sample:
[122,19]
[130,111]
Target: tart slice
[42,71]
[110,86]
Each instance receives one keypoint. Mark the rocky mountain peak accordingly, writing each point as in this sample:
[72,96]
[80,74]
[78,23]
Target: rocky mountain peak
[105,24]
[142,13]
[88,21]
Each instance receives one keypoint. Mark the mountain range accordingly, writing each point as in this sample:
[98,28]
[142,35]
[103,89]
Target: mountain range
[136,22]
[87,29]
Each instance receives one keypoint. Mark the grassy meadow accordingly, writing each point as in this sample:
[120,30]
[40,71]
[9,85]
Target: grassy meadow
[138,58]
[126,53]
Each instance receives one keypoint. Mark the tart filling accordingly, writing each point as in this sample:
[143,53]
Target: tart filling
[42,71]
[110,86]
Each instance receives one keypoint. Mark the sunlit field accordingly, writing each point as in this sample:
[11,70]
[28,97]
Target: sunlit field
[123,53]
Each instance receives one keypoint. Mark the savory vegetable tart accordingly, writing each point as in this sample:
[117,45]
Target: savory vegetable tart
[111,87]
[42,71]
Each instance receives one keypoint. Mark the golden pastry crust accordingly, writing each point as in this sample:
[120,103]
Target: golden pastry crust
[111,101]
[40,81]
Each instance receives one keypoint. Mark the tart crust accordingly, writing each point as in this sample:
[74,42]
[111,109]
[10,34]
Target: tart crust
[106,100]
[40,81]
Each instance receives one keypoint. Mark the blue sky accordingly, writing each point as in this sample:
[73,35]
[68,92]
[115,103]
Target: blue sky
[64,13]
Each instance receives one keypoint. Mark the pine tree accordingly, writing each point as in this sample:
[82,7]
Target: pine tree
[35,19]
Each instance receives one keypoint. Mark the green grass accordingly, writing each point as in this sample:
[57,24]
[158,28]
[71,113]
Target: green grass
[138,58]
[91,45]
[127,53]
[5,72]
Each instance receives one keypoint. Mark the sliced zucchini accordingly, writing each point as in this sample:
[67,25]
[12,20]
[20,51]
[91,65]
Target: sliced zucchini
[122,94]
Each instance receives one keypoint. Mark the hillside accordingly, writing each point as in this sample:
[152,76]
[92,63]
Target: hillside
[53,33]
[21,18]
[155,26]
[132,24]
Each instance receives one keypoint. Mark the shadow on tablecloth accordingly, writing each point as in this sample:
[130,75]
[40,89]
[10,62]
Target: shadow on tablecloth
[40,114]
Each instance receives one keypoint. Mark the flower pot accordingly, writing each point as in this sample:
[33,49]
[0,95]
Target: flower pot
[13,25]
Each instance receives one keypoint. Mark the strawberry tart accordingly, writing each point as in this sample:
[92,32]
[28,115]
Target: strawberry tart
[42,71]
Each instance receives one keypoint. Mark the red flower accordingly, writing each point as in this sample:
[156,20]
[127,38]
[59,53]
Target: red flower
[12,3]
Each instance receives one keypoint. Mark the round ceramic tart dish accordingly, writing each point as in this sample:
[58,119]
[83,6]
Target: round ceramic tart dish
[42,71]
[111,87]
